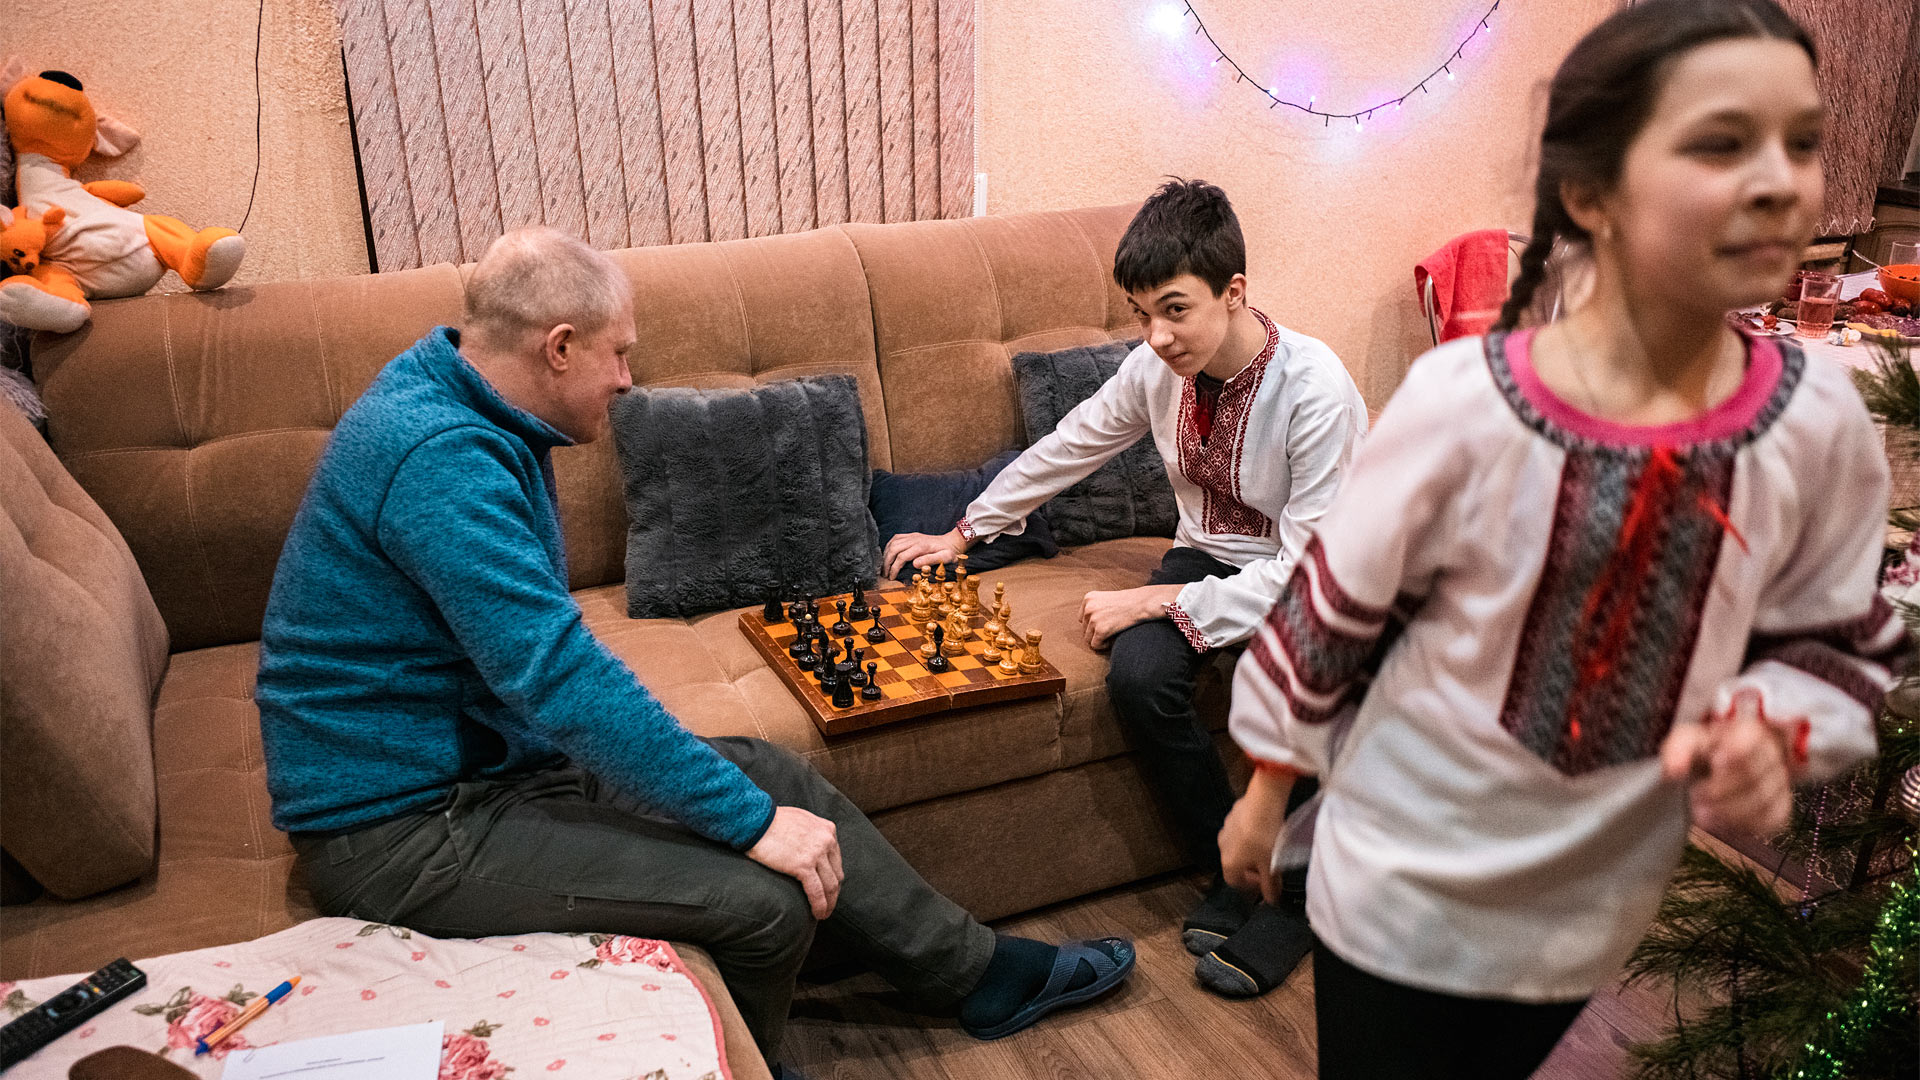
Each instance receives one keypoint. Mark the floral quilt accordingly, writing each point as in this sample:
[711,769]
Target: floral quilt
[569,1006]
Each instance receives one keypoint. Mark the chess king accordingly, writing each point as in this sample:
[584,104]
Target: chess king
[426,682]
[1255,424]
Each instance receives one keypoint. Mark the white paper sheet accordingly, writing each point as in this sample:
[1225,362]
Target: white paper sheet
[397,1053]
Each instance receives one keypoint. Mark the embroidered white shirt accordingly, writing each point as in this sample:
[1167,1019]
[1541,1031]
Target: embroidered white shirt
[1501,617]
[1283,432]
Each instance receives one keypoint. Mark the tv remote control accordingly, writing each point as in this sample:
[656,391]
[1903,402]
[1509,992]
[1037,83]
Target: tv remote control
[68,1010]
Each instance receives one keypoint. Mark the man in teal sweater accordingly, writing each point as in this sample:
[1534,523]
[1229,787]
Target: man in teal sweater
[451,749]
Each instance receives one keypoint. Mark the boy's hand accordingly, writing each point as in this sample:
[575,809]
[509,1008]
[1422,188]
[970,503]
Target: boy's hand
[1738,765]
[920,549]
[1104,614]
[1253,828]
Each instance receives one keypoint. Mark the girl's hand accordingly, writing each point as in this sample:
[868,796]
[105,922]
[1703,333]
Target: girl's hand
[1251,832]
[1737,763]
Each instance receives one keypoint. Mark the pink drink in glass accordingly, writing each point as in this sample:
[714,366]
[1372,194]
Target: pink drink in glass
[1819,295]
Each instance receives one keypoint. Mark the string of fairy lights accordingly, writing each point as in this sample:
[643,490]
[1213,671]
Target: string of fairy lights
[1359,116]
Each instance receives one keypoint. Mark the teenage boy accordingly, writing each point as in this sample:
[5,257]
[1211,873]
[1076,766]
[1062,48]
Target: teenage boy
[1256,424]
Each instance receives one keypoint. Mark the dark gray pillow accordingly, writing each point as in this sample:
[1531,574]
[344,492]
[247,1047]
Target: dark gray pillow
[1128,496]
[737,496]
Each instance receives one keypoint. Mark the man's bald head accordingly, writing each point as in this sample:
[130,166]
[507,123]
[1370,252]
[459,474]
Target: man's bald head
[532,280]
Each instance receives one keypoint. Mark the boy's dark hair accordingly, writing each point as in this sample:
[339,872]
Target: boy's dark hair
[1186,227]
[1602,96]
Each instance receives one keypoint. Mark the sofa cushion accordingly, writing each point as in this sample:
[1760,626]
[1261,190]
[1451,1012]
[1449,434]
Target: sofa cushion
[740,496]
[954,300]
[1129,495]
[81,649]
[932,502]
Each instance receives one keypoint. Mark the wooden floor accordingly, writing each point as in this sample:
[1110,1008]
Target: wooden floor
[1160,1026]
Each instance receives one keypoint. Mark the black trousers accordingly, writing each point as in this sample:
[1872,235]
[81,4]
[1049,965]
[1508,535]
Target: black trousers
[1151,675]
[559,851]
[1372,1028]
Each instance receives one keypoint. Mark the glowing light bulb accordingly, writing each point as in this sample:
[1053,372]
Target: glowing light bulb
[1169,19]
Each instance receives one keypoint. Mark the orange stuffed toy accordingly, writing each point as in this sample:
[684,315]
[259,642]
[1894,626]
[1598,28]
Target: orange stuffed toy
[100,249]
[23,237]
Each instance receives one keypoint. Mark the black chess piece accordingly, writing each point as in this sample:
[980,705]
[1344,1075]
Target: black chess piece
[843,628]
[796,609]
[859,611]
[827,666]
[807,658]
[871,691]
[798,648]
[874,633]
[857,677]
[773,612]
[848,662]
[937,663]
[842,694]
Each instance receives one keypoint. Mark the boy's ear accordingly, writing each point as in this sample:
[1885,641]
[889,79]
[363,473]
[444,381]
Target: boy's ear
[1235,294]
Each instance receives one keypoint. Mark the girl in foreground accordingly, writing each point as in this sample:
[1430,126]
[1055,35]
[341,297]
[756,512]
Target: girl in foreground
[1583,582]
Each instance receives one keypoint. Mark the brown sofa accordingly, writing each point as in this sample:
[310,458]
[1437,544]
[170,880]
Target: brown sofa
[194,420]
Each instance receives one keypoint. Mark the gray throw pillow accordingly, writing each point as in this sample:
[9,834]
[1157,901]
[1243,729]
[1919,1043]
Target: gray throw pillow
[1128,496]
[738,496]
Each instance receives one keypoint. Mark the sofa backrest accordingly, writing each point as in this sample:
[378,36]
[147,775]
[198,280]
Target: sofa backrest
[953,301]
[195,420]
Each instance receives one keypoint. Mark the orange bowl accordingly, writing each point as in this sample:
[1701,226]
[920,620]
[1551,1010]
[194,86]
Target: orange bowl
[1902,280]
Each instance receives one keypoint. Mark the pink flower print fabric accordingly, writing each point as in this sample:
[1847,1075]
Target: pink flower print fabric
[506,1014]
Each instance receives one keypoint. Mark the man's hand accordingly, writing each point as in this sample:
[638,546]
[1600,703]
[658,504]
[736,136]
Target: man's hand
[1738,765]
[806,848]
[1104,614]
[1252,829]
[920,549]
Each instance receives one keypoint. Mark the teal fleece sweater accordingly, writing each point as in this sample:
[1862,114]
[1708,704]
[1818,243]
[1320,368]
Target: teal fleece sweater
[420,634]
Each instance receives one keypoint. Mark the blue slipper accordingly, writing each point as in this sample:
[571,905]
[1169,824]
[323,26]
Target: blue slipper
[1107,974]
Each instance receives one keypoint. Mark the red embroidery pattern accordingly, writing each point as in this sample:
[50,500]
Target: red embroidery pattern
[1214,467]
[1187,627]
[966,529]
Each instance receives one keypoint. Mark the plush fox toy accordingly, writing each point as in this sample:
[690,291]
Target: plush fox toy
[100,249]
[23,237]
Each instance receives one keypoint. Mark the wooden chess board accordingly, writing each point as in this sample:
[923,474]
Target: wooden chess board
[908,688]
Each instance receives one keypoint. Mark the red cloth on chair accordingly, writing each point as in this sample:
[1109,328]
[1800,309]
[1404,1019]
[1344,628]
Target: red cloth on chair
[1469,278]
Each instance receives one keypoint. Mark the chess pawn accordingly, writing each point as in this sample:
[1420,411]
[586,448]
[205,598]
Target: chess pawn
[937,663]
[872,691]
[957,633]
[990,654]
[930,649]
[1030,662]
[1009,645]
[1009,649]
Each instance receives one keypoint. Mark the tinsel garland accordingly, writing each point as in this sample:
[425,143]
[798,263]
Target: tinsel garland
[1880,1002]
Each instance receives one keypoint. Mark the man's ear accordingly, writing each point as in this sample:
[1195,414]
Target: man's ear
[555,346]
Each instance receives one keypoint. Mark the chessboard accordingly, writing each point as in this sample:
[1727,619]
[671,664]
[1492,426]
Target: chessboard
[907,689]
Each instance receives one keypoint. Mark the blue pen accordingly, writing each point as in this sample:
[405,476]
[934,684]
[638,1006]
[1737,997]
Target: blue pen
[253,1009]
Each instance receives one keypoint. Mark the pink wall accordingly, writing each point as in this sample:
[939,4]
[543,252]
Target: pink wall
[1085,102]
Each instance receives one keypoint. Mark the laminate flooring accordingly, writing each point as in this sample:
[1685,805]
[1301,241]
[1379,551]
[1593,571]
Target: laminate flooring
[1161,1026]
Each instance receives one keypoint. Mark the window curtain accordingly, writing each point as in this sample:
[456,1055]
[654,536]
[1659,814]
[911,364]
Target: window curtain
[636,122]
